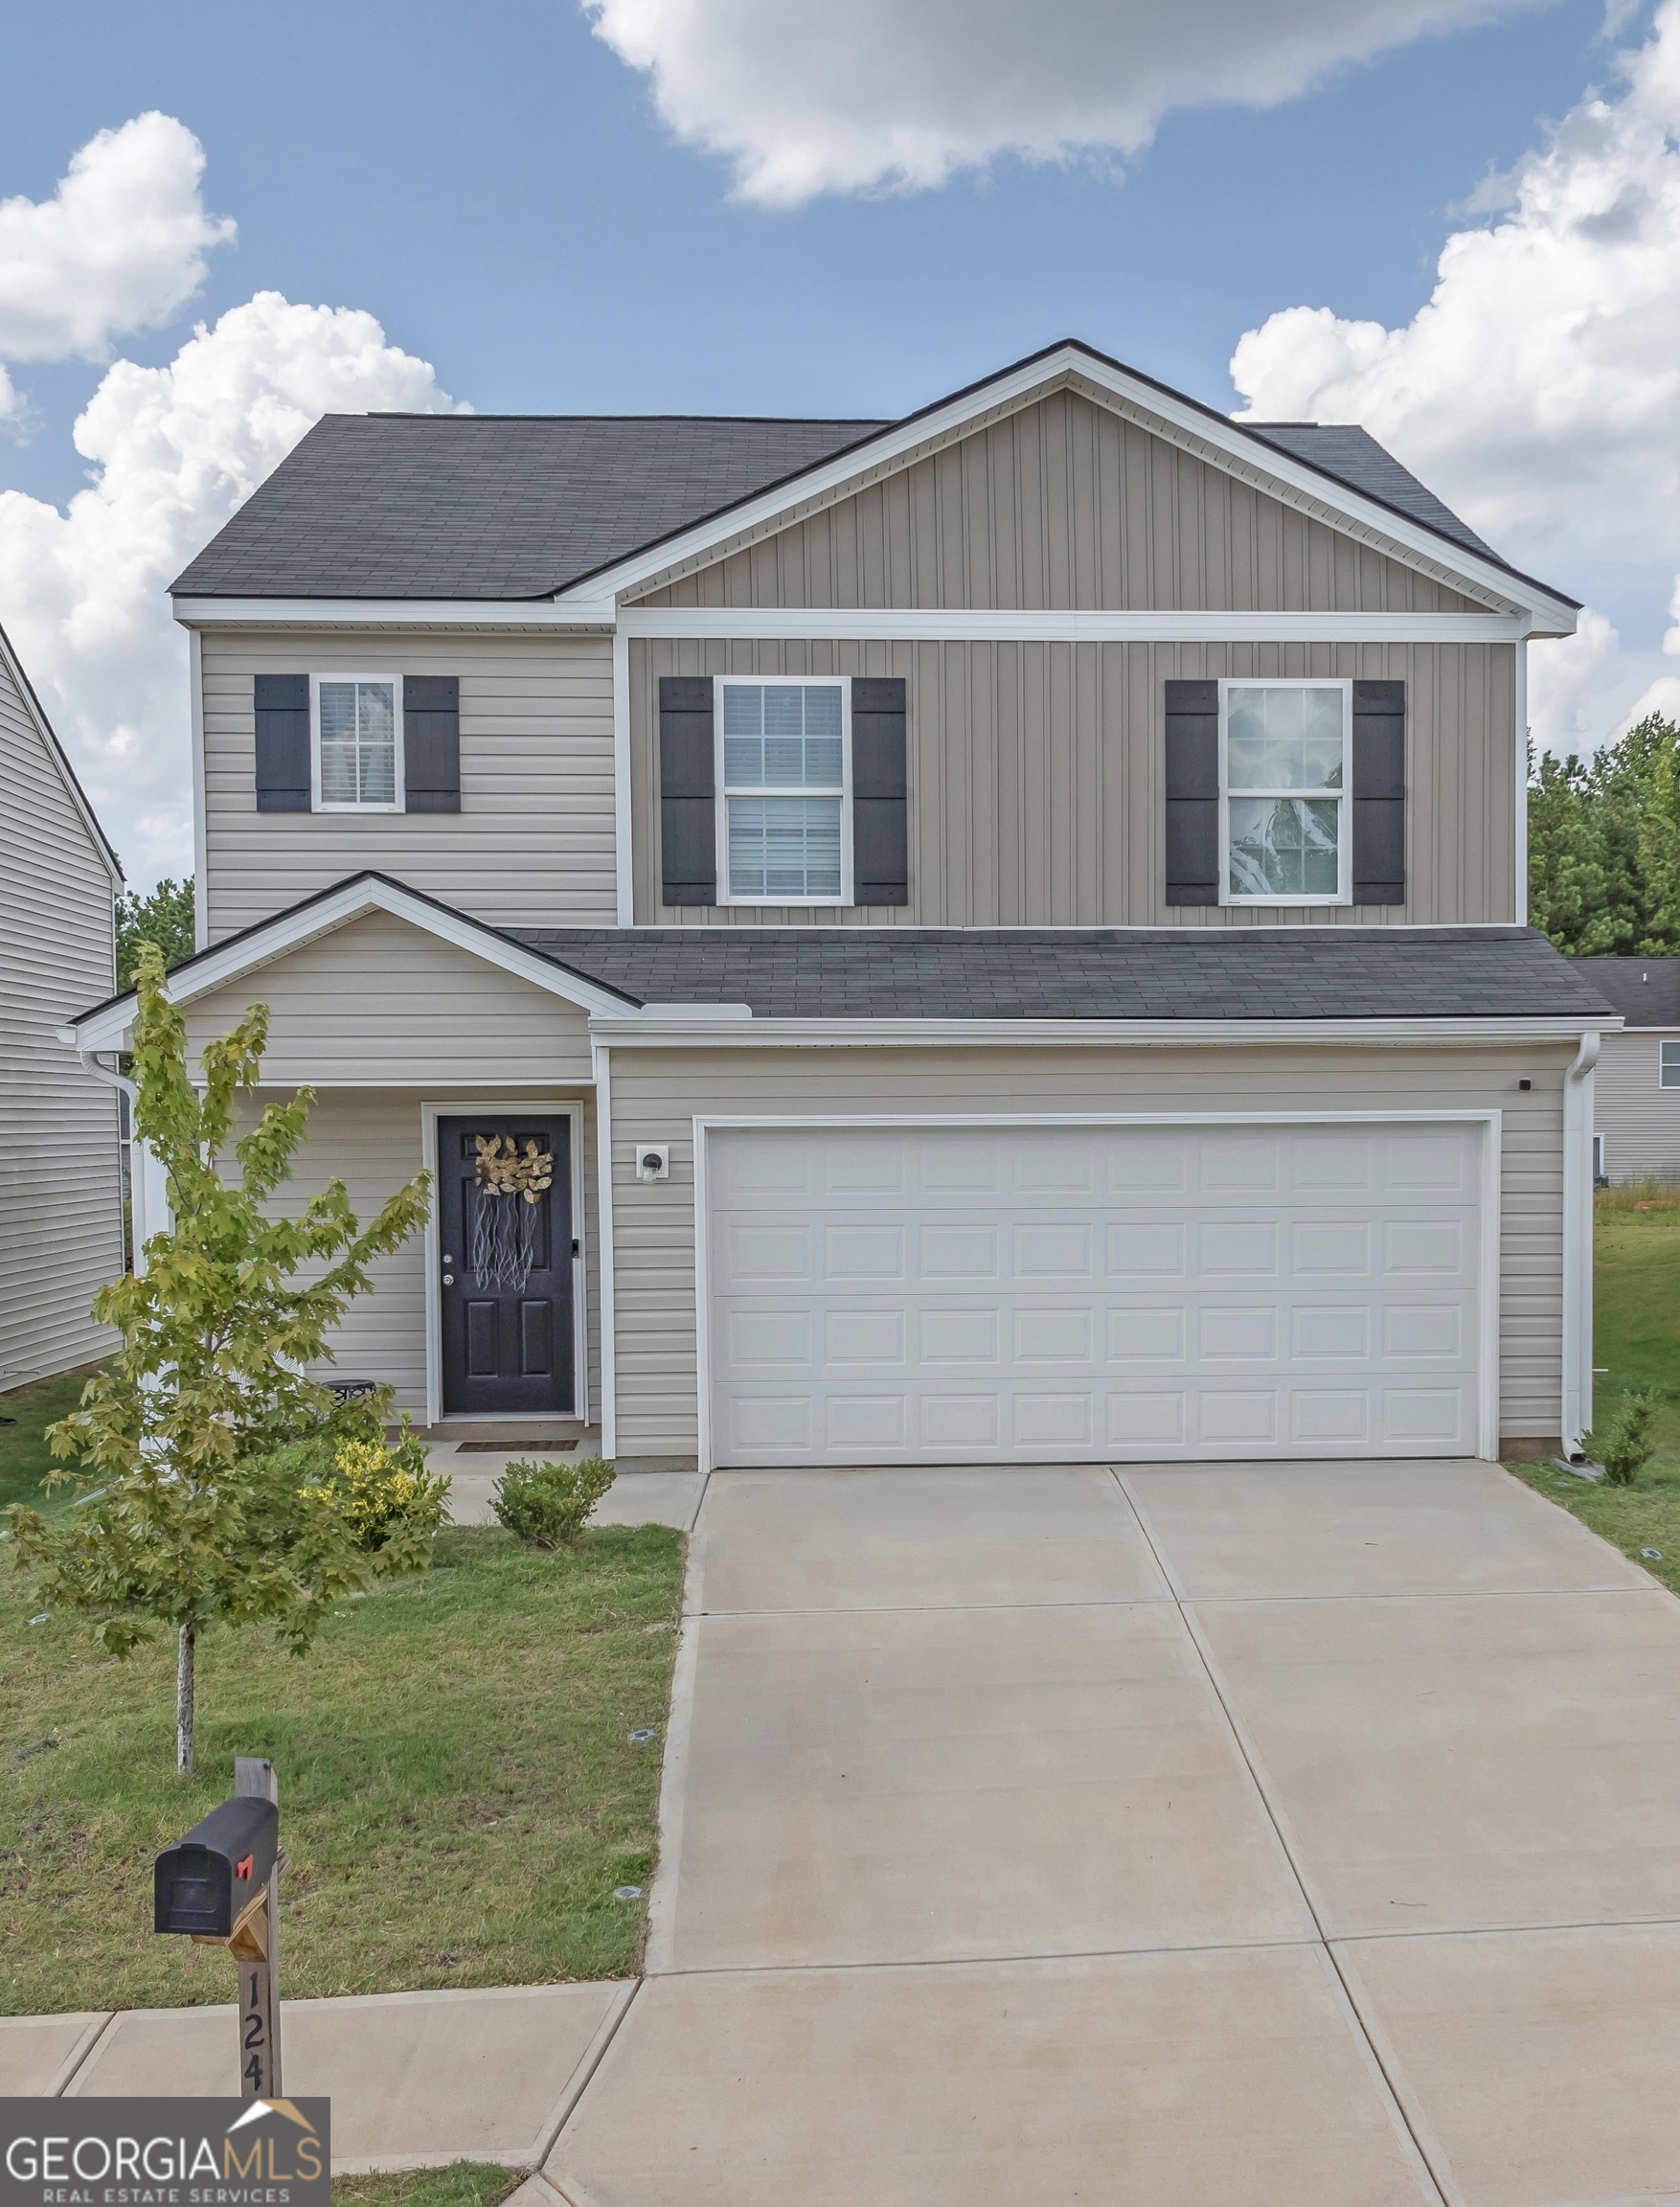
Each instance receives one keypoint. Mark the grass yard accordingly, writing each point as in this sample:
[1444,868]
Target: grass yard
[24,1460]
[1636,1339]
[463,2184]
[458,1791]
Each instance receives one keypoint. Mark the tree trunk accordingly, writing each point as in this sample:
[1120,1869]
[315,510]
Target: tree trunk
[184,1700]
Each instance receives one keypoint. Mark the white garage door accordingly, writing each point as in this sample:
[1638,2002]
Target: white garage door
[895,1295]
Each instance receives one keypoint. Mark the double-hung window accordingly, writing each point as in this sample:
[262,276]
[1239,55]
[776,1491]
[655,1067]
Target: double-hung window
[1285,836]
[1668,1064]
[783,829]
[357,732]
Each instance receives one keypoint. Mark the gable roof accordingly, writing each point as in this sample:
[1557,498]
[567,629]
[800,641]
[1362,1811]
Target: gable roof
[1645,991]
[516,507]
[11,664]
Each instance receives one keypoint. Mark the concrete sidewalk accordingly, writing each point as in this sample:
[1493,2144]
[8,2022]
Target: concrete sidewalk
[634,1497]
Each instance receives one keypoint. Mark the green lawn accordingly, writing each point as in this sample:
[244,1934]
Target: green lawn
[24,1461]
[463,2184]
[458,1791]
[1636,1339]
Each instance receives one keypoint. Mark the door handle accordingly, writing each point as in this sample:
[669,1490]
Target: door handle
[448,1279]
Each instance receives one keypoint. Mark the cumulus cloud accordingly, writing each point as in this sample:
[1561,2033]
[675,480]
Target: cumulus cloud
[119,245]
[1539,388]
[173,451]
[860,95]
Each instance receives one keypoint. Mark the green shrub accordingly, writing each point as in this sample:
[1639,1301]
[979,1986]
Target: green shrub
[549,1504]
[1628,1443]
[387,1492]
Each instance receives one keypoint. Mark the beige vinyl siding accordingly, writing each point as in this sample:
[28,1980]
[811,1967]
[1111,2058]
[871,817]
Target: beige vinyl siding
[372,1140]
[378,1002]
[1638,1120]
[533,838]
[1066,504]
[60,1192]
[1035,778]
[656,1095]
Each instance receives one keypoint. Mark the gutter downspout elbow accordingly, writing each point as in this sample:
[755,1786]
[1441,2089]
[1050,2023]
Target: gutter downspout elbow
[1577,1244]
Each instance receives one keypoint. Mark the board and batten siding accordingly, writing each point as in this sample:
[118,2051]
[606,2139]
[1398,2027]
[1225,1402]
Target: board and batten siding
[1066,504]
[372,1140]
[1036,778]
[1638,1120]
[61,1190]
[381,1003]
[533,837]
[656,1095]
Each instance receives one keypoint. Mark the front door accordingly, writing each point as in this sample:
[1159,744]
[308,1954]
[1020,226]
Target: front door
[505,1240]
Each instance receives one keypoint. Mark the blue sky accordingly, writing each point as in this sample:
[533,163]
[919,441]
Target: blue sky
[496,187]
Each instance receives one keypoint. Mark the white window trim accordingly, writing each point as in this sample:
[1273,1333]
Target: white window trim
[1663,1049]
[840,682]
[320,804]
[1344,796]
[1601,1154]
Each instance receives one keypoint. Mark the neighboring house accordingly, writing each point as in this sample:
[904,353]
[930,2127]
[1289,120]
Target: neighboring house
[60,1192]
[1636,1089]
[1007,924]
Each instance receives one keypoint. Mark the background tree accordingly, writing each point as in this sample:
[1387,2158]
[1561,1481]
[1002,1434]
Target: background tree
[1604,846]
[203,1454]
[164,918]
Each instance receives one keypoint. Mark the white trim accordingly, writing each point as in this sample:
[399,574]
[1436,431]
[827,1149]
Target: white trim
[601,1062]
[200,807]
[61,766]
[1342,796]
[1520,862]
[1487,1286]
[428,613]
[569,1109]
[963,626]
[317,801]
[1209,436]
[287,931]
[726,894]
[1037,1034]
[1600,1154]
[1577,1244]
[622,830]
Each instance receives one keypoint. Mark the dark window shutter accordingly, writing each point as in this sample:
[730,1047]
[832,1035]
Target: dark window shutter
[1379,792]
[880,796]
[431,742]
[283,743]
[688,790]
[1193,793]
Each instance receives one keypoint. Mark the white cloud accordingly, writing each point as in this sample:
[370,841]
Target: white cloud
[119,247]
[860,95]
[174,450]
[1539,389]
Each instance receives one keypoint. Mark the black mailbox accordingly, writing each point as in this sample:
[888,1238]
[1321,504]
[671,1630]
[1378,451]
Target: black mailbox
[206,1881]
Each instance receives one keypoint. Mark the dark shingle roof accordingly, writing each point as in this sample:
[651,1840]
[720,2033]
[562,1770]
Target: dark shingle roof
[1083,973]
[1645,991]
[1354,457]
[488,506]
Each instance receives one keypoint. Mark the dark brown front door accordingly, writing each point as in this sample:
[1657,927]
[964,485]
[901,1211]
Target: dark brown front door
[505,1237]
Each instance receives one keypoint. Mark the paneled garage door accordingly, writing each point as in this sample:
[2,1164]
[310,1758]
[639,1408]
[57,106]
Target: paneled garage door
[896,1295]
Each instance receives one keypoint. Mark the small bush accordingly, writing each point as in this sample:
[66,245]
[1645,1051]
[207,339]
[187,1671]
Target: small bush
[386,1492]
[1628,1443]
[549,1504]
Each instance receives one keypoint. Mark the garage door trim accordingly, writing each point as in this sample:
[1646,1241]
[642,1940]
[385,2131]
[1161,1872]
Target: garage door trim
[1487,1287]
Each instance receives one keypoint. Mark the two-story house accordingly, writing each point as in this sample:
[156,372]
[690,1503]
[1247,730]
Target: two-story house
[992,936]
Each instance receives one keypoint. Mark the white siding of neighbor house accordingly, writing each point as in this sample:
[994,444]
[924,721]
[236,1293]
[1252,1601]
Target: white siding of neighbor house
[372,1140]
[381,1002]
[657,1093]
[1638,1120]
[60,1192]
[533,838]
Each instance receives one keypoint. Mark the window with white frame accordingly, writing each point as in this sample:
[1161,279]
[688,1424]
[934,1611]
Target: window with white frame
[783,827]
[358,743]
[1284,767]
[1669,1065]
[1601,1165]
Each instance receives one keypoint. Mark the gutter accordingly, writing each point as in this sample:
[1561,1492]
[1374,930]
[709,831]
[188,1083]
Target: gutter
[148,1208]
[1577,1246]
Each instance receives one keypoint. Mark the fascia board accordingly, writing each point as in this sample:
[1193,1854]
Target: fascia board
[106,1027]
[1548,615]
[428,613]
[664,1033]
[961,625]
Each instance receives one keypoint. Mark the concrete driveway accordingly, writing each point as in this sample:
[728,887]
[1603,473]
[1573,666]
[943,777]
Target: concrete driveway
[1179,1837]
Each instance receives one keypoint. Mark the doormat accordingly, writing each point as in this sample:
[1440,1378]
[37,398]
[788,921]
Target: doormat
[506,1448]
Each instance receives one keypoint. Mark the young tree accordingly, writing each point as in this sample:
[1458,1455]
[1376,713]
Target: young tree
[197,1503]
[164,918]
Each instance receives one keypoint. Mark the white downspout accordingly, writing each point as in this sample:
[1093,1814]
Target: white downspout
[149,1200]
[1521,860]
[1577,1244]
[600,1066]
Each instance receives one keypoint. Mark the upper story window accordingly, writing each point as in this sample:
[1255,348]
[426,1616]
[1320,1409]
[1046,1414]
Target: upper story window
[1284,772]
[1669,1065]
[357,743]
[783,824]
